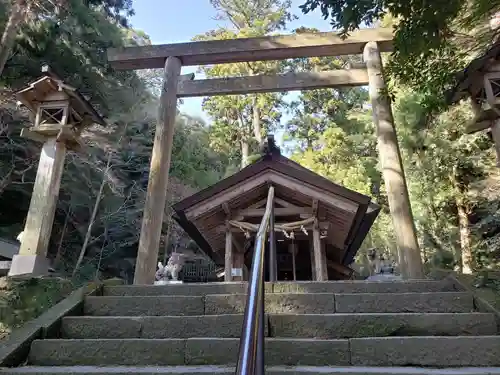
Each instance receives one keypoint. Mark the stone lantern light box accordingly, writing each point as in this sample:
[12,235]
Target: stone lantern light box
[57,109]
[59,114]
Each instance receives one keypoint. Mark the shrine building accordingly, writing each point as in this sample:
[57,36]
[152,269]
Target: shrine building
[313,215]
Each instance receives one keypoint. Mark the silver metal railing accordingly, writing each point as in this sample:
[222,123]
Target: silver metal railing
[251,350]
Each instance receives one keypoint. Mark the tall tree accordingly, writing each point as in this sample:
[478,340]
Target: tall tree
[72,39]
[23,12]
[433,40]
[315,111]
[19,11]
[243,120]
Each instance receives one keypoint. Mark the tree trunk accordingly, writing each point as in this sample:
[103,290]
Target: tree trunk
[465,259]
[59,253]
[245,151]
[167,241]
[92,217]
[257,131]
[6,180]
[465,236]
[18,12]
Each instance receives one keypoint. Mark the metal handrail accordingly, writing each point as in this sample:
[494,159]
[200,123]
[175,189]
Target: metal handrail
[251,350]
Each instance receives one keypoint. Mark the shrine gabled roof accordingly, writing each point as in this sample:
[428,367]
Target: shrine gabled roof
[250,183]
[279,164]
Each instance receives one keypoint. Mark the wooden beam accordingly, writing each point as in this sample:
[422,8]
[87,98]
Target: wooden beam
[226,209]
[277,47]
[284,203]
[48,130]
[156,195]
[273,83]
[28,134]
[258,212]
[343,270]
[258,204]
[315,207]
[186,77]
[392,165]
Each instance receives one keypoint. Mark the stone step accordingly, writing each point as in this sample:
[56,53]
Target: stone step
[153,327]
[425,351]
[223,370]
[353,286]
[328,326]
[338,326]
[301,303]
[325,303]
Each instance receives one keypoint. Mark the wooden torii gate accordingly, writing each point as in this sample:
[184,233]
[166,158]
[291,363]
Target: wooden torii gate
[171,57]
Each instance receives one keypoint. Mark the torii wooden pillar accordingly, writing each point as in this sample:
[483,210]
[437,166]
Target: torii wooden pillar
[392,166]
[158,176]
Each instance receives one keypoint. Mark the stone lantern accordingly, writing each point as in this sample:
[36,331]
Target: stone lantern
[59,114]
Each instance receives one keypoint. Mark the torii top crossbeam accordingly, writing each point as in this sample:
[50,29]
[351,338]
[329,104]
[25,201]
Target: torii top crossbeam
[278,47]
[257,49]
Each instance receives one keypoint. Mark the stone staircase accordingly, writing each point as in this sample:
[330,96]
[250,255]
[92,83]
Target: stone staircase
[352,327]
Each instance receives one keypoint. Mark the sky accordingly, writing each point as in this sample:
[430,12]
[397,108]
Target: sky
[165,23]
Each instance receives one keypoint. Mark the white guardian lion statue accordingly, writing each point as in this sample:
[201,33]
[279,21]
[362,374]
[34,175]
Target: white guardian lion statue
[172,268]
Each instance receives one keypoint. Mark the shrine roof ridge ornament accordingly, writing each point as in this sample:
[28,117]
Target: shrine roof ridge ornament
[277,47]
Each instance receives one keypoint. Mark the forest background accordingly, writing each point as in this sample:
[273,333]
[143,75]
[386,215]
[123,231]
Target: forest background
[452,177]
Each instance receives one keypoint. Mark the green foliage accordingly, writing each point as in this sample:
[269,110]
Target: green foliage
[428,36]
[240,121]
[73,41]
[452,177]
[74,44]
[23,300]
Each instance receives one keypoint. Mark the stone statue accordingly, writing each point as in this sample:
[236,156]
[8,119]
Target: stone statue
[378,263]
[172,268]
[380,268]
[20,236]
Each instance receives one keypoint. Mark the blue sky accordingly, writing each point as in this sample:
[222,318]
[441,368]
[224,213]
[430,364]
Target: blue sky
[167,24]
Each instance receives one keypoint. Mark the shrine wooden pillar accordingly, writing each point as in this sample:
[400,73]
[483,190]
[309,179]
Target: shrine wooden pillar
[319,259]
[238,264]
[238,271]
[392,166]
[292,249]
[313,261]
[324,260]
[228,257]
[156,195]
